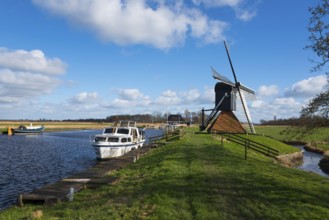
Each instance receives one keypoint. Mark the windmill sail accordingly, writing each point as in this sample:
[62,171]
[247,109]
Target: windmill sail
[222,78]
[239,87]
[246,89]
[246,111]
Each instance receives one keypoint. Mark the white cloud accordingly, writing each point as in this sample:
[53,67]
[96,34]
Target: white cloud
[131,94]
[25,75]
[160,24]
[308,87]
[286,102]
[129,98]
[244,10]
[84,98]
[258,104]
[120,103]
[31,61]
[217,3]
[268,90]
[245,15]
[191,96]
[26,80]
[208,96]
[168,97]
[23,85]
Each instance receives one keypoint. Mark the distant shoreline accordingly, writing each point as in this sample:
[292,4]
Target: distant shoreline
[53,126]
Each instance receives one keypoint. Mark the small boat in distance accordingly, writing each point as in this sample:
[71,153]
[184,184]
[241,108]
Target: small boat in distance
[22,129]
[117,140]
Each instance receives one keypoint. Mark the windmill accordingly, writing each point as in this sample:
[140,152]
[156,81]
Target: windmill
[226,93]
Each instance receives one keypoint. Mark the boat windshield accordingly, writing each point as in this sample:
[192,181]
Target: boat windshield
[109,130]
[123,131]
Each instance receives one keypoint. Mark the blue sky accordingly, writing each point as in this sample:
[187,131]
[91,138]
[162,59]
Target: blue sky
[91,59]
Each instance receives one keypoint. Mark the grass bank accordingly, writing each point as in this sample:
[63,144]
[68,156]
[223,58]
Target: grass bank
[197,178]
[318,137]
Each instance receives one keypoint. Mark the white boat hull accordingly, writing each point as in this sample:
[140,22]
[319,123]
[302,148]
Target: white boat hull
[104,150]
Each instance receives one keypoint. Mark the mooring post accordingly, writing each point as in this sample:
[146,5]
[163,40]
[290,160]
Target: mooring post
[20,200]
[10,131]
[71,194]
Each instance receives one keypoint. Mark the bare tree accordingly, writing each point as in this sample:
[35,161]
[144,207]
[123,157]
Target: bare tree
[317,110]
[319,34]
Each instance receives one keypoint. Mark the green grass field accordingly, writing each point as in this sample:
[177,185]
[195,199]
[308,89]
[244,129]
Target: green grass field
[197,178]
[318,137]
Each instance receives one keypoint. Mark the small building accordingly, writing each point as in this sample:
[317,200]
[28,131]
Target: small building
[175,119]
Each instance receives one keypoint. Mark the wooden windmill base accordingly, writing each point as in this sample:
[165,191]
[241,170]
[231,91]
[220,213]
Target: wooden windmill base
[227,122]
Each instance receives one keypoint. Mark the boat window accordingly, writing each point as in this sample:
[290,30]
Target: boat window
[100,138]
[123,140]
[109,130]
[129,139]
[123,131]
[113,139]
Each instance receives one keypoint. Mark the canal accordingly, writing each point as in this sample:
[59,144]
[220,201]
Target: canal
[28,162]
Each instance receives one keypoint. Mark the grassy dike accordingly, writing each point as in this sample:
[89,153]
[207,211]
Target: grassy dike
[318,138]
[196,178]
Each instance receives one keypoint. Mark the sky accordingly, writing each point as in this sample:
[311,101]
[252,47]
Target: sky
[79,59]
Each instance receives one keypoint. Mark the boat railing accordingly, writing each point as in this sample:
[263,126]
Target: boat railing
[127,123]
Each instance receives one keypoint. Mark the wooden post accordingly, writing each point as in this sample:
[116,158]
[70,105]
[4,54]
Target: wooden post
[71,194]
[221,141]
[10,131]
[20,200]
[245,149]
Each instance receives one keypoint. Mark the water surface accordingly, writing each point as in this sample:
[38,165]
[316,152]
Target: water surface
[28,162]
[311,162]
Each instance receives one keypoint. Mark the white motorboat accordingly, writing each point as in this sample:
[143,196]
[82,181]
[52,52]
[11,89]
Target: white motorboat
[117,140]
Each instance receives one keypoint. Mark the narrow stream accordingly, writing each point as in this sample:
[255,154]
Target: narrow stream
[311,161]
